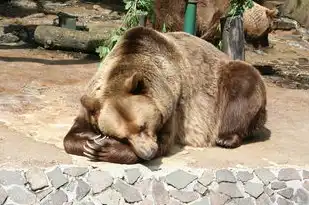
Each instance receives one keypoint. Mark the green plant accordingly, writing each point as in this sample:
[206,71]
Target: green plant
[237,7]
[134,10]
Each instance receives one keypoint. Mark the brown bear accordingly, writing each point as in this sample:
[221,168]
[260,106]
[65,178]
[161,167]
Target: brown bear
[257,20]
[157,89]
[258,23]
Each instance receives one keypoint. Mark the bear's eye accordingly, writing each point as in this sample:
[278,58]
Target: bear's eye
[139,88]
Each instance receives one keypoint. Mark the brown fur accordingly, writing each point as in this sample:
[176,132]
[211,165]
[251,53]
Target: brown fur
[158,89]
[209,12]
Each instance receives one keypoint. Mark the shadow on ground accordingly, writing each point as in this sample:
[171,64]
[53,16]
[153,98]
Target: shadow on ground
[87,60]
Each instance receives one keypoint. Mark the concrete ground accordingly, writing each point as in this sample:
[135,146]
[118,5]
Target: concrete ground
[39,96]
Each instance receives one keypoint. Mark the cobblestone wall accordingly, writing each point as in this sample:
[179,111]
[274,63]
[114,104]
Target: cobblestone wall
[139,185]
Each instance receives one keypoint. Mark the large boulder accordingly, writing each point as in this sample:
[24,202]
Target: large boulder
[295,9]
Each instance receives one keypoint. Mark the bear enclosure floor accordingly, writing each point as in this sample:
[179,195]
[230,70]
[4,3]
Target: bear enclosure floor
[39,96]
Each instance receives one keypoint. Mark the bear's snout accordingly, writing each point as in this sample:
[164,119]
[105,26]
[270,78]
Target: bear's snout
[145,146]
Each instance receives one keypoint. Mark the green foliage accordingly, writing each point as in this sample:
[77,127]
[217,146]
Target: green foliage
[134,9]
[237,7]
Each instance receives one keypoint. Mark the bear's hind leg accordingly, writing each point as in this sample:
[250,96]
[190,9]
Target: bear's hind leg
[229,141]
[245,111]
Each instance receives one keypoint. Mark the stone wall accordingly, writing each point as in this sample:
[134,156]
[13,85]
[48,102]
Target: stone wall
[295,9]
[66,184]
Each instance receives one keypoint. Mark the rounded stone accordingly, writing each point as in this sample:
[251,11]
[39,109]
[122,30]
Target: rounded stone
[254,189]
[36,178]
[278,185]
[244,176]
[286,193]
[186,178]
[21,195]
[184,196]
[99,180]
[225,175]
[288,174]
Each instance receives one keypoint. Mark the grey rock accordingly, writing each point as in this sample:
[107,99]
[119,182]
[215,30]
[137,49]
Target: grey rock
[286,193]
[57,178]
[83,203]
[244,176]
[36,178]
[42,194]
[109,197]
[8,38]
[203,201]
[273,198]
[174,202]
[21,195]
[184,196]
[128,192]
[159,193]
[278,185]
[288,174]
[230,189]
[11,177]
[283,201]
[301,197]
[206,178]
[132,175]
[265,175]
[173,179]
[71,186]
[199,188]
[263,200]
[305,174]
[82,189]
[218,199]
[225,175]
[143,186]
[268,191]
[75,171]
[57,198]
[3,195]
[146,202]
[306,185]
[254,189]
[99,180]
[242,201]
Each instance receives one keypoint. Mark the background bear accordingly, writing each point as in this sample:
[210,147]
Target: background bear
[157,89]
[257,20]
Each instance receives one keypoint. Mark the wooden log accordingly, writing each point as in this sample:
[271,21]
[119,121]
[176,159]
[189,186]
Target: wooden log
[233,40]
[53,37]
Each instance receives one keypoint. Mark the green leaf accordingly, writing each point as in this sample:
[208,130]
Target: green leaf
[128,5]
[164,28]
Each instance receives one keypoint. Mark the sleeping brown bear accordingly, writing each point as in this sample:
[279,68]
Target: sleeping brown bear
[157,89]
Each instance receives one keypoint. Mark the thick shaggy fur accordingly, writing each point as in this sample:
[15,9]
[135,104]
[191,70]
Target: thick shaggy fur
[155,90]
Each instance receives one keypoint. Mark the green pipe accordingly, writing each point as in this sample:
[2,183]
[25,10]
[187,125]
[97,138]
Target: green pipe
[190,17]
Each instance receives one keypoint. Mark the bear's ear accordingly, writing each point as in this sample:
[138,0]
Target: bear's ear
[272,13]
[135,84]
[91,104]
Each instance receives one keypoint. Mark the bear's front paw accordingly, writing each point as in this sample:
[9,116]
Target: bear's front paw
[109,150]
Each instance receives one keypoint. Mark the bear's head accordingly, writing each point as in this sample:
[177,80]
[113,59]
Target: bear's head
[125,111]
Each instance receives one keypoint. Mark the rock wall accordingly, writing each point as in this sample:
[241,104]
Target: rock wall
[295,9]
[68,184]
